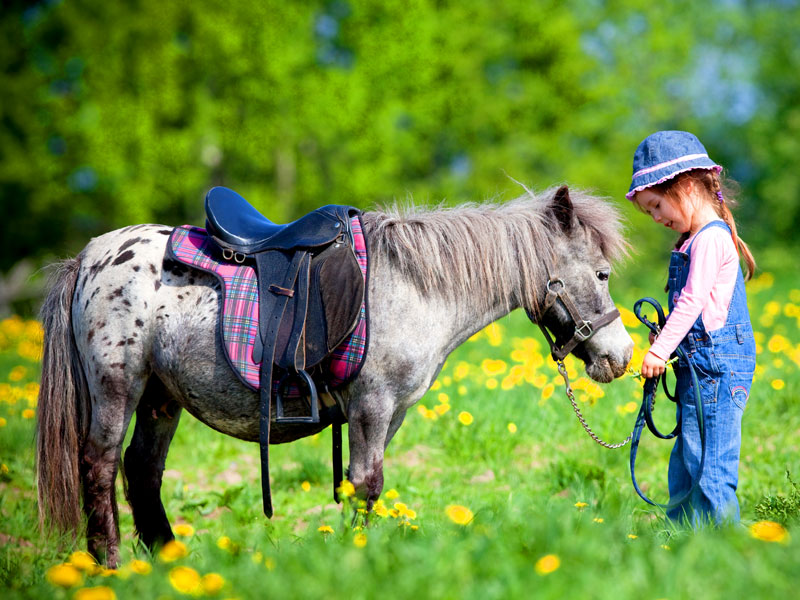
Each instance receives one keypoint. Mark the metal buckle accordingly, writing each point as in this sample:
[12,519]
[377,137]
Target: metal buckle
[585,331]
[227,253]
[555,281]
[239,257]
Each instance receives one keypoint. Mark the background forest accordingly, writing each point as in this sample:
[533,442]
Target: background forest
[114,113]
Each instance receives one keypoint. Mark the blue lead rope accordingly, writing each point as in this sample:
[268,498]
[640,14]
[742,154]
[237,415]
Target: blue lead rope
[645,416]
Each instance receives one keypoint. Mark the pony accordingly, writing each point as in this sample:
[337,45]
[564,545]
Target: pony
[128,331]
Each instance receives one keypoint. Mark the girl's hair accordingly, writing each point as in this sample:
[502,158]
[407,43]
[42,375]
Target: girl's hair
[721,195]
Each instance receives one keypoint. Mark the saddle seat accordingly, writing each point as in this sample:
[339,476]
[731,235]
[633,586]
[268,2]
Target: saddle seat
[236,225]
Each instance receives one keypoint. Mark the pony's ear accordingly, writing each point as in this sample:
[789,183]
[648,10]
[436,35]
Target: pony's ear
[562,208]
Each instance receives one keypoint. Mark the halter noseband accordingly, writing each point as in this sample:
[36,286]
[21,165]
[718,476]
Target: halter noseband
[584,329]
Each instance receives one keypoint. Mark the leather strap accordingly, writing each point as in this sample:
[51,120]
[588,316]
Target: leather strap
[271,308]
[583,329]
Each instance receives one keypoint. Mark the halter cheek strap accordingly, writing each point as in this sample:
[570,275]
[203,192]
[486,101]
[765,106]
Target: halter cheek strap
[584,329]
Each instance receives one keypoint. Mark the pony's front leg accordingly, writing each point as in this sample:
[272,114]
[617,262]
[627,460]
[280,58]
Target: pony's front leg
[368,428]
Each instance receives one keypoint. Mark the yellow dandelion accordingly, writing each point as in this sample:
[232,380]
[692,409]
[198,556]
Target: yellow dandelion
[183,530]
[632,536]
[458,514]
[462,390]
[305,486]
[346,489]
[547,564]
[379,508]
[422,409]
[142,567]
[257,557]
[360,540]
[443,398]
[769,531]
[598,519]
[17,373]
[631,407]
[461,371]
[212,583]
[100,592]
[494,334]
[581,505]
[778,384]
[3,422]
[269,562]
[548,390]
[325,529]
[512,428]
[28,413]
[665,547]
[185,580]
[441,409]
[172,551]
[65,576]
[491,383]
[465,418]
[392,494]
[437,385]
[493,367]
[224,543]
[83,561]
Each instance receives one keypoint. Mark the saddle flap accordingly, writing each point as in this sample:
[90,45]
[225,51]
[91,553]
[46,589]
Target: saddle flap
[335,298]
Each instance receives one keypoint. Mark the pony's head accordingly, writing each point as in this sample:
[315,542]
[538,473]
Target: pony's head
[575,305]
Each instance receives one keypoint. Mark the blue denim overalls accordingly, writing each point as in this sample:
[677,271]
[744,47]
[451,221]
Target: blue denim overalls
[724,360]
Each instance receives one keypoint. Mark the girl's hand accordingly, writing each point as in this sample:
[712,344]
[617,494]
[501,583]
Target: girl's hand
[652,366]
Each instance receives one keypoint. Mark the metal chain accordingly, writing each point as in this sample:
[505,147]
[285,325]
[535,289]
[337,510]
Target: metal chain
[570,394]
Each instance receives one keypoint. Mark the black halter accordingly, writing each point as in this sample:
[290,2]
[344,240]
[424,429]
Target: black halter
[583,329]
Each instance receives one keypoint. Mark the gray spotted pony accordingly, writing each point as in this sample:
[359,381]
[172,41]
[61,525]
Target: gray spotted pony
[128,330]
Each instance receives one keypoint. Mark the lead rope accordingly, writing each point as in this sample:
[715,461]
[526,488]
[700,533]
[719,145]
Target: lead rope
[571,395]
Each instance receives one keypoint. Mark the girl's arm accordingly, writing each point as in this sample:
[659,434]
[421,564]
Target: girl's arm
[709,287]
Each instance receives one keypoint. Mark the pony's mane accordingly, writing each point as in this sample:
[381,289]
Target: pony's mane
[487,252]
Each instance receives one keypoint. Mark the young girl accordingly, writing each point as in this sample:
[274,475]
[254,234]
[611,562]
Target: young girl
[678,185]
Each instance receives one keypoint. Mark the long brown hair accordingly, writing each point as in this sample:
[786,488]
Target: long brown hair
[721,195]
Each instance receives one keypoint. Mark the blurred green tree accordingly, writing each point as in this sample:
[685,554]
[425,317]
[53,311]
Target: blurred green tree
[119,113]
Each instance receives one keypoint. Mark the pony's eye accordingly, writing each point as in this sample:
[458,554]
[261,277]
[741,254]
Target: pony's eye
[602,275]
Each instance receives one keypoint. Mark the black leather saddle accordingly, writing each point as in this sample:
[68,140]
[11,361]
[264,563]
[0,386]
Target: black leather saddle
[310,293]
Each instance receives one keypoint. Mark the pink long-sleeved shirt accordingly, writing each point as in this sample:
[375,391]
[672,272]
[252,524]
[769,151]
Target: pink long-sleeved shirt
[713,268]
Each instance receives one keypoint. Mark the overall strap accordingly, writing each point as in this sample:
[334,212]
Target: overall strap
[714,223]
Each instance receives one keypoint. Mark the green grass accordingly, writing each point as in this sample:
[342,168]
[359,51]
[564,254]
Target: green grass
[522,488]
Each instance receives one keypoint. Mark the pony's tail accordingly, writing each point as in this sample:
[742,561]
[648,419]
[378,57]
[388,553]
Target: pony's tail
[64,409]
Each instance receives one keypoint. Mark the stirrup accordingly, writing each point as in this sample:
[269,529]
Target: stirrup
[312,389]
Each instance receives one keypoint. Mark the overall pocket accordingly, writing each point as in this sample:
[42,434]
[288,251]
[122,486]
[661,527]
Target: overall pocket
[740,388]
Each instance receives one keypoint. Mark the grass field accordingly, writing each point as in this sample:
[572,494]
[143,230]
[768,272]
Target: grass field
[492,491]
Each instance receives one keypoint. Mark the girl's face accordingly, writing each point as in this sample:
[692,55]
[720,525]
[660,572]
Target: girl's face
[664,211]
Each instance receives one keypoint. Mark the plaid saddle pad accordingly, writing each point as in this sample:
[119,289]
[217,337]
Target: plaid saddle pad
[239,323]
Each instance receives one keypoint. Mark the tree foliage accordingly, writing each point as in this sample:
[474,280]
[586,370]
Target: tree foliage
[117,113]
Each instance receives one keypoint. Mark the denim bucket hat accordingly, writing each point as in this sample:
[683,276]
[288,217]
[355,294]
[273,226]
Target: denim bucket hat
[665,154]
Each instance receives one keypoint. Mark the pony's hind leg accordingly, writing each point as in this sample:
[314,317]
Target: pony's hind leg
[114,396]
[98,467]
[156,421]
